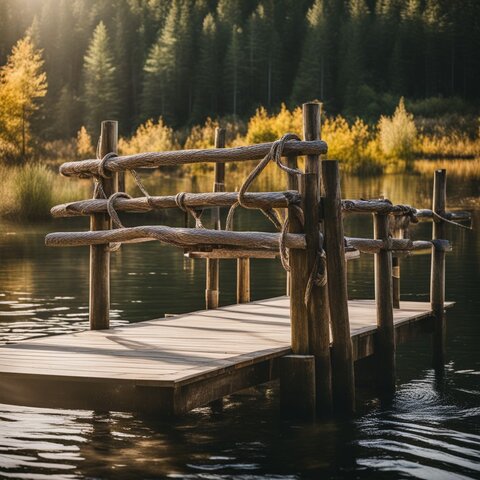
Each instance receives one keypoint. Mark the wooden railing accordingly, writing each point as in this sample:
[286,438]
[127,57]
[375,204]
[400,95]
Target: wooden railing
[315,241]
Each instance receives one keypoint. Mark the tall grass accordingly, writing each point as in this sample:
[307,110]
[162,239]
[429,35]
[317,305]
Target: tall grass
[29,191]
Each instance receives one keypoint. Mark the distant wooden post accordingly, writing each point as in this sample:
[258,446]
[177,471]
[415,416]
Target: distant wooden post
[385,338]
[212,290]
[99,311]
[343,381]
[437,277]
[317,308]
[243,280]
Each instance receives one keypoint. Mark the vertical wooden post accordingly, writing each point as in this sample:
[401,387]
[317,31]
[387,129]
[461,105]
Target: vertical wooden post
[397,233]
[212,290]
[292,184]
[243,280]
[317,308]
[343,381]
[385,338]
[99,310]
[437,277]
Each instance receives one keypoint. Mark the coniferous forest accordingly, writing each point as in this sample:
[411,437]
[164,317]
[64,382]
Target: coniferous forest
[186,60]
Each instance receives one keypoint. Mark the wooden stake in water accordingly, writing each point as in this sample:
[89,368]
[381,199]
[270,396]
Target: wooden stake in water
[385,343]
[437,278]
[212,291]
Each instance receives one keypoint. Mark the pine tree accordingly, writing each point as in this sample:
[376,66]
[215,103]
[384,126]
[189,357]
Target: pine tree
[100,83]
[310,80]
[263,55]
[353,54]
[234,73]
[207,85]
[23,84]
[159,90]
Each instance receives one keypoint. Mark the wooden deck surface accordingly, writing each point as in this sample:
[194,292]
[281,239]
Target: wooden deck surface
[174,364]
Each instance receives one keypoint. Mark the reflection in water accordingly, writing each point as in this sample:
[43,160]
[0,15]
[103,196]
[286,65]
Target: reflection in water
[431,430]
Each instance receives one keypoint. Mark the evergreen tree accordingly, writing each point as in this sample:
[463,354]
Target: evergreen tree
[234,73]
[207,85]
[310,80]
[100,83]
[263,55]
[353,72]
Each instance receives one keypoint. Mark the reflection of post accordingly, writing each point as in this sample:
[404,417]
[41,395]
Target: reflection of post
[385,338]
[99,254]
[437,278]
[212,287]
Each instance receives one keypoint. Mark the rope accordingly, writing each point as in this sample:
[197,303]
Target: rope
[439,218]
[274,154]
[180,201]
[318,275]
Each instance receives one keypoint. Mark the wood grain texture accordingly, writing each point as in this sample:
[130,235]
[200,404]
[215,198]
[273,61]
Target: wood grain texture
[143,366]
[343,381]
[182,157]
[317,309]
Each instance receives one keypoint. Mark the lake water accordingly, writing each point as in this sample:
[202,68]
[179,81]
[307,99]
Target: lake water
[430,431]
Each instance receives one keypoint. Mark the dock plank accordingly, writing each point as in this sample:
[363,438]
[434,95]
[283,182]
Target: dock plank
[173,364]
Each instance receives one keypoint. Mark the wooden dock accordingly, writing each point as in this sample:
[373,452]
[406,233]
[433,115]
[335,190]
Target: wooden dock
[310,338]
[175,364]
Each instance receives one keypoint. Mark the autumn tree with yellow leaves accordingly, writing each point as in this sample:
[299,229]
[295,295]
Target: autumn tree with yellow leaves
[22,86]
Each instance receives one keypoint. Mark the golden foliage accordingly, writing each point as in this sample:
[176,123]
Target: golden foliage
[398,134]
[202,136]
[149,137]
[22,85]
[84,145]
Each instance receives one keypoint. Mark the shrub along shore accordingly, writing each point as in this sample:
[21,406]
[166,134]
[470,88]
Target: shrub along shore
[393,145]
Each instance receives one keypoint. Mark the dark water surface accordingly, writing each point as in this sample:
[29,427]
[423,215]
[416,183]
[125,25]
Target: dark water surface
[431,431]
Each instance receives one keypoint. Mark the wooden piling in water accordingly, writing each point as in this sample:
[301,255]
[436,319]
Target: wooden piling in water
[297,386]
[212,290]
[343,381]
[99,308]
[437,276]
[317,303]
[385,340]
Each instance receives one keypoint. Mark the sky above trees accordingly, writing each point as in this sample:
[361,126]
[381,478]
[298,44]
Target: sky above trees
[185,60]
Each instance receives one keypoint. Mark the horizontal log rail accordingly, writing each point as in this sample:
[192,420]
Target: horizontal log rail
[182,157]
[367,245]
[202,238]
[262,200]
[382,206]
[181,237]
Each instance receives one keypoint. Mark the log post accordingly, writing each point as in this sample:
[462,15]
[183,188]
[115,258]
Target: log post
[99,310]
[317,307]
[385,337]
[437,277]
[343,381]
[297,386]
[212,290]
[243,280]
[292,184]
